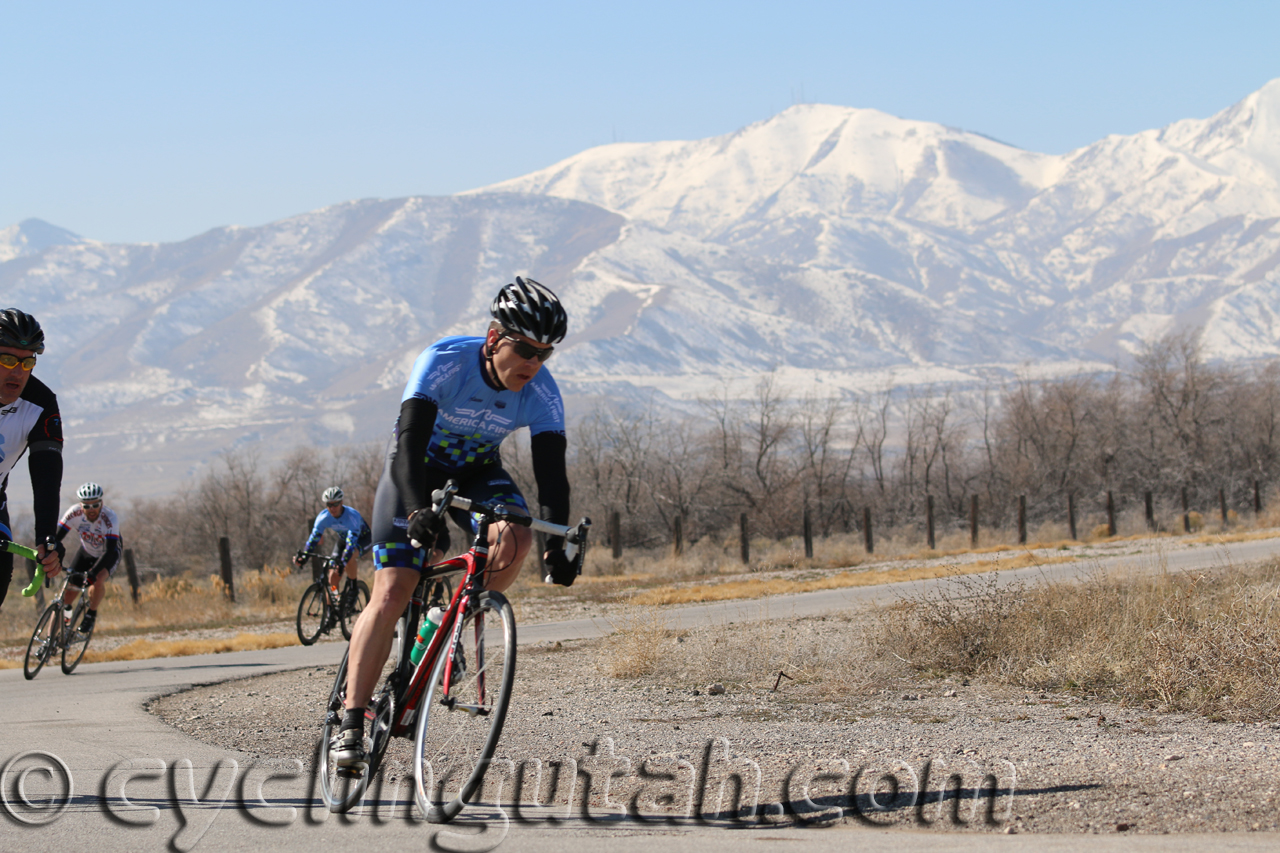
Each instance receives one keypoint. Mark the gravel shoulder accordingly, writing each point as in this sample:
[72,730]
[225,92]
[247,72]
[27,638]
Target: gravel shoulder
[1061,764]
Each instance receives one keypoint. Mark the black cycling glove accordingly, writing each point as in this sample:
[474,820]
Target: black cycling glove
[560,569]
[424,527]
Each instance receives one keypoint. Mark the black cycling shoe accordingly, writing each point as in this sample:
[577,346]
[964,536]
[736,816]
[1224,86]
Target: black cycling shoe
[87,623]
[348,600]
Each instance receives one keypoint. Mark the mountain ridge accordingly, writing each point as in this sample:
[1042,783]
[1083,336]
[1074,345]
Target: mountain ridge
[836,246]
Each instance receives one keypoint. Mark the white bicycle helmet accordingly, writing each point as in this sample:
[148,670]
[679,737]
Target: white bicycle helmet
[332,494]
[89,492]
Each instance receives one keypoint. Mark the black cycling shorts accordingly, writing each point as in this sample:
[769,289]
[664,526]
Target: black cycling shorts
[391,546]
[84,562]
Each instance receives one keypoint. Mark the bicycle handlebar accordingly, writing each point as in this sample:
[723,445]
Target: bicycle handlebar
[32,555]
[575,536]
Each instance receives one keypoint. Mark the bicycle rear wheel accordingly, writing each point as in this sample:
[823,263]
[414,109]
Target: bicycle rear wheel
[41,645]
[351,613]
[313,613]
[77,643]
[458,733]
[341,793]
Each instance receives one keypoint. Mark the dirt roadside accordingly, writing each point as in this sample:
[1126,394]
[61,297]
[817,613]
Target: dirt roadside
[1061,764]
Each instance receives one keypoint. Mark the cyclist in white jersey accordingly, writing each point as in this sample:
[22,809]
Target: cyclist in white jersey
[100,548]
[29,421]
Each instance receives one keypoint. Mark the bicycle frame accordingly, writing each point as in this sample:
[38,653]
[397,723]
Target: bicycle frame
[472,563]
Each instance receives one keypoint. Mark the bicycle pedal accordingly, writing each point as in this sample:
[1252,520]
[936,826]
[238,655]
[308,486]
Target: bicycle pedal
[350,772]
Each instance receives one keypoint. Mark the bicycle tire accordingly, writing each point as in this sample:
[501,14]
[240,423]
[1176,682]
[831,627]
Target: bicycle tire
[352,613]
[39,649]
[75,647]
[313,613]
[456,736]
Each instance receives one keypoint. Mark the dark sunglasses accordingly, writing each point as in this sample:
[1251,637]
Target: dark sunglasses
[9,362]
[528,351]
[93,505]
[332,505]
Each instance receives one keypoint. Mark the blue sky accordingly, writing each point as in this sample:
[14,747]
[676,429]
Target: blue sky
[132,121]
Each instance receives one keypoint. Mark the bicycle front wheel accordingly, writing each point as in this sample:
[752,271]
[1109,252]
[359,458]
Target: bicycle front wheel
[41,646]
[352,612]
[77,642]
[313,613]
[458,730]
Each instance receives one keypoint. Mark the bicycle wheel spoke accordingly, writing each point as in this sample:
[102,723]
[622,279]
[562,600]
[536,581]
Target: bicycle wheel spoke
[352,611]
[458,731]
[41,644]
[312,613]
[77,642]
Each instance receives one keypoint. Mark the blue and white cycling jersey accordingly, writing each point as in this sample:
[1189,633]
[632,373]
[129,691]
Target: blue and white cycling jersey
[472,418]
[350,525]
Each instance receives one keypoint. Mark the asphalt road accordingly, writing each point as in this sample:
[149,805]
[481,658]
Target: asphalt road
[88,767]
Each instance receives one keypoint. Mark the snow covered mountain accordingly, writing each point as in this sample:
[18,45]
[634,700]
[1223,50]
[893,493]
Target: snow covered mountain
[837,246]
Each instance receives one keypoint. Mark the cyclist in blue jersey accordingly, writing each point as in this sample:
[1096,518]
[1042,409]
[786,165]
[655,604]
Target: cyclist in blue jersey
[465,395]
[355,539]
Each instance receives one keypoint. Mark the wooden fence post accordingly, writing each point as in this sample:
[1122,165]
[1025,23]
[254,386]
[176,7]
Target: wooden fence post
[1222,505]
[866,530]
[1151,511]
[745,541]
[677,537]
[1071,516]
[224,552]
[973,521]
[1022,519]
[928,521]
[615,534]
[808,534]
[1111,515]
[1186,512]
[132,568]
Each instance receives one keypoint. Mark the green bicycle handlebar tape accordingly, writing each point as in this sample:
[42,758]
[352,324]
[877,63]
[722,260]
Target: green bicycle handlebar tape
[36,582]
[30,554]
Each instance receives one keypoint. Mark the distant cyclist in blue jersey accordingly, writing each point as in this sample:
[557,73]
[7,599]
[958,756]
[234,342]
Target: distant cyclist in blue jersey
[465,395]
[355,539]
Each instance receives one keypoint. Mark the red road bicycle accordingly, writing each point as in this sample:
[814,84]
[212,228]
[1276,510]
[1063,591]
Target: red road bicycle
[454,702]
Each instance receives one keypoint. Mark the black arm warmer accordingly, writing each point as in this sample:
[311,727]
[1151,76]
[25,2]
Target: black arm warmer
[409,467]
[107,559]
[547,450]
[46,482]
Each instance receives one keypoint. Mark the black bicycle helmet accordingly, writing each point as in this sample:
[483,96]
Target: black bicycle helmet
[21,331]
[532,310]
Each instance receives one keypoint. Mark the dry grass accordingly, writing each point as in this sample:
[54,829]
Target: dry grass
[826,656]
[1204,642]
[730,590]
[143,649]
[169,603]
[635,646]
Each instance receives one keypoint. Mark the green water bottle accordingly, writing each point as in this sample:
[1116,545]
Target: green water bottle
[428,629]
